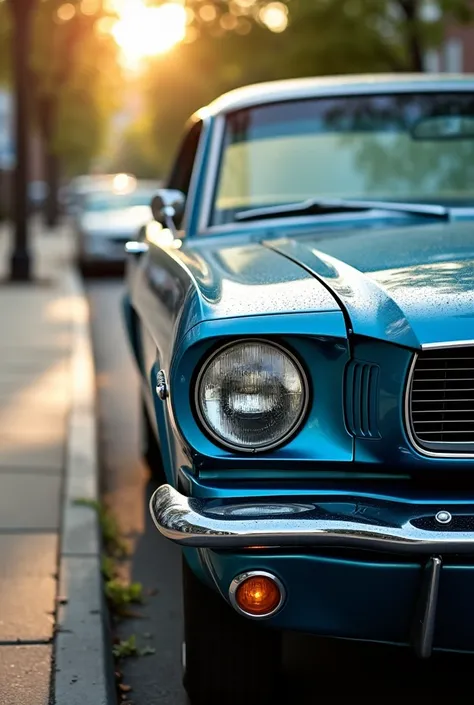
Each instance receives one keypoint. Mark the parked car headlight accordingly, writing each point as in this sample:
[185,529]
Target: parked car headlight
[251,395]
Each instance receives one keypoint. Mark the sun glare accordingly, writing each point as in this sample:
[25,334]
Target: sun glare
[142,31]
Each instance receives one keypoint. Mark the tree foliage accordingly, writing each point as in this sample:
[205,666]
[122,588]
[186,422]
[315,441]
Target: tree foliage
[75,77]
[77,81]
[5,28]
[347,36]
[322,37]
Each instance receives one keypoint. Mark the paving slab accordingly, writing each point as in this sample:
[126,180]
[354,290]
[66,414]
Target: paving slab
[34,401]
[38,507]
[24,675]
[48,427]
[27,609]
[28,586]
[46,388]
[33,456]
[27,556]
[18,469]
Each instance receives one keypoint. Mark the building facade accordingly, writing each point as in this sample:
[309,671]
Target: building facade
[455,55]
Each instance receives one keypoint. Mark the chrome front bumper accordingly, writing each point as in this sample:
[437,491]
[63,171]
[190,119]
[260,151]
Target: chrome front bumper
[428,532]
[339,522]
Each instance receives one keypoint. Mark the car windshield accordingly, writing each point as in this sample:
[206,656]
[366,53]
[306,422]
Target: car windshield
[110,201]
[416,147]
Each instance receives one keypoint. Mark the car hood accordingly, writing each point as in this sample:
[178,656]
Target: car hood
[113,221]
[408,285]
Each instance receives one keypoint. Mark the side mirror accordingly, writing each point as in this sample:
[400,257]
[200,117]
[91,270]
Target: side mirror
[167,207]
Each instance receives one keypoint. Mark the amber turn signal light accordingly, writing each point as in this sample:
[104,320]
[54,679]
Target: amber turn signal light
[257,594]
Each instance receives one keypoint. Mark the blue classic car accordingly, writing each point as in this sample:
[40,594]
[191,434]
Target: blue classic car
[301,312]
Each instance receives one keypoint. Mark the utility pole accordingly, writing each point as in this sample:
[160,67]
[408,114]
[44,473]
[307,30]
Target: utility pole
[22,16]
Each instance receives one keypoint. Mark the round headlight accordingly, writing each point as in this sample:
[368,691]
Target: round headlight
[251,395]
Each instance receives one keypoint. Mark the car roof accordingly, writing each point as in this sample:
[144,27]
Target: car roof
[301,88]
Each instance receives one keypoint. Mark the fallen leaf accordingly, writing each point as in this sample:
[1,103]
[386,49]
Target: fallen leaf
[125,688]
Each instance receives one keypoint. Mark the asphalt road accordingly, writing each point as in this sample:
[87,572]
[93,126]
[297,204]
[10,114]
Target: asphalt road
[374,674]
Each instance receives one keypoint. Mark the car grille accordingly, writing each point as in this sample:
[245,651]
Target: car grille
[441,400]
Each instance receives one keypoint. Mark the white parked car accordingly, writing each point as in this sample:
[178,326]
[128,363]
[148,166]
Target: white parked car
[106,221]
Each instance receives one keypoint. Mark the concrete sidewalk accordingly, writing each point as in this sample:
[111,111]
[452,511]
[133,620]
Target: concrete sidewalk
[48,457]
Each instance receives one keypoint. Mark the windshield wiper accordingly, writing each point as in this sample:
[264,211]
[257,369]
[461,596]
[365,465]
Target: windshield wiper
[327,206]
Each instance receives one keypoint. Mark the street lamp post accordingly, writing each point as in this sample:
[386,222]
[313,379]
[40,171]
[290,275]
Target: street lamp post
[22,15]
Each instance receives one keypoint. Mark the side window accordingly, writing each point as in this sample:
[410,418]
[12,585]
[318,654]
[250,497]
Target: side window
[182,170]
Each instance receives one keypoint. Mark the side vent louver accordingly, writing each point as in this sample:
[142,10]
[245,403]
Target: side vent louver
[362,398]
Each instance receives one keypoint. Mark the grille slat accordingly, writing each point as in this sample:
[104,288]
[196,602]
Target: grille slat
[443,379]
[466,389]
[446,411]
[436,401]
[445,433]
[443,369]
[443,359]
[445,421]
[441,400]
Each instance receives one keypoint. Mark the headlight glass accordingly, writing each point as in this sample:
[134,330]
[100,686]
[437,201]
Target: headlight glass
[252,395]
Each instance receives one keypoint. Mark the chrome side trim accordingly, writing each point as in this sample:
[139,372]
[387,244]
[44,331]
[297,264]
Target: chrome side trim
[407,411]
[449,344]
[234,586]
[196,172]
[212,168]
[208,524]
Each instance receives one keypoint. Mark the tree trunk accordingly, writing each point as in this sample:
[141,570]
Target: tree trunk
[413,40]
[22,12]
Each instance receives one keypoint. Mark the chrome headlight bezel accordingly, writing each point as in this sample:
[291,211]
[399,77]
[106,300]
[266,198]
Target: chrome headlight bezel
[295,427]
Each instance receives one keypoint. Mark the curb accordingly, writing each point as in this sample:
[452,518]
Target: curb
[83,668]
